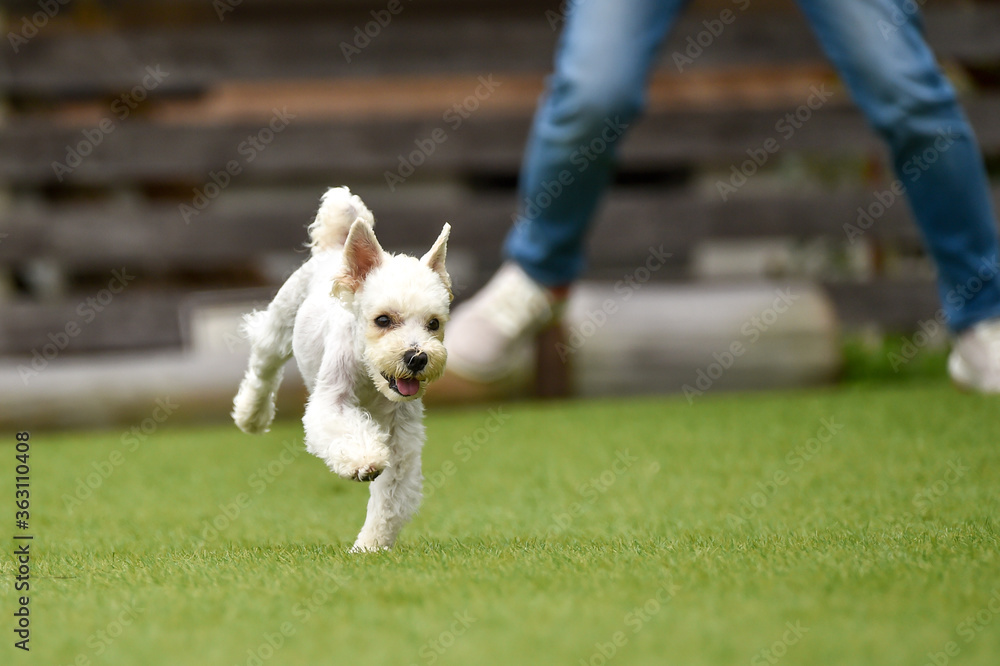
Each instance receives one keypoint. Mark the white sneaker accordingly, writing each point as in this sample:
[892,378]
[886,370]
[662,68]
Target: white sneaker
[490,336]
[974,363]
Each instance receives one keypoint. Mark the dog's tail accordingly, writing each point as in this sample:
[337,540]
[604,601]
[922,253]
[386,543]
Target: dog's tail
[338,210]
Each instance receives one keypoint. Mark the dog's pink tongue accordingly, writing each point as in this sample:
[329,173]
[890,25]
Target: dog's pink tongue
[407,386]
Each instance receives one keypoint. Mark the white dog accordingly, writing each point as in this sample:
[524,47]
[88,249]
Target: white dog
[366,329]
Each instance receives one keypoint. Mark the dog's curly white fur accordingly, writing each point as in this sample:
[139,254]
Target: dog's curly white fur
[367,330]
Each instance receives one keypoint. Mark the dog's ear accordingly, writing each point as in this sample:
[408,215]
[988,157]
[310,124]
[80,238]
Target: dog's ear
[362,255]
[434,259]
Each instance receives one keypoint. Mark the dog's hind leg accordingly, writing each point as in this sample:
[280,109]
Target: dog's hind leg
[270,335]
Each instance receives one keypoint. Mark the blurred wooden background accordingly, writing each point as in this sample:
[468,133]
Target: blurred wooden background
[216,72]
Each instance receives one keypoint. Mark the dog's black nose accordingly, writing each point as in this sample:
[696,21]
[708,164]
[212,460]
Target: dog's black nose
[415,361]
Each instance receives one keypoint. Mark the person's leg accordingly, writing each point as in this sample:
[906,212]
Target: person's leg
[879,48]
[602,63]
[598,88]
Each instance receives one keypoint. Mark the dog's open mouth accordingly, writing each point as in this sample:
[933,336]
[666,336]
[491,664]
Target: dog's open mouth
[404,386]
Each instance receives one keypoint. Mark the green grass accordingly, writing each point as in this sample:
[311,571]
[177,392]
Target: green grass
[546,550]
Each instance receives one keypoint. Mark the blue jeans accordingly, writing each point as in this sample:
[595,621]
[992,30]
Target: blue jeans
[598,88]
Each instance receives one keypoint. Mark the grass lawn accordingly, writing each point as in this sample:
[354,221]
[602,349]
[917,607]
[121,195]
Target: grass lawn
[847,526]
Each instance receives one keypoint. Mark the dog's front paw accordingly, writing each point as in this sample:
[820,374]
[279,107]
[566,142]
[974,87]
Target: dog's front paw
[367,473]
[369,543]
[372,547]
[359,456]
[359,464]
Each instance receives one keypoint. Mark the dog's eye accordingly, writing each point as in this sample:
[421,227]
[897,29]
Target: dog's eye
[383,321]
[433,325]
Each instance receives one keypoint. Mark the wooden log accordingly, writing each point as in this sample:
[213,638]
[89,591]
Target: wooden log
[654,338]
[700,339]
[660,339]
